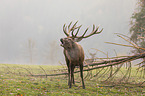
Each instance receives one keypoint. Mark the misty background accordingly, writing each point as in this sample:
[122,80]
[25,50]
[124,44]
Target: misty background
[33,28]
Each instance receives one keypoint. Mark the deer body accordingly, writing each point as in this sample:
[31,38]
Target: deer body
[74,56]
[73,52]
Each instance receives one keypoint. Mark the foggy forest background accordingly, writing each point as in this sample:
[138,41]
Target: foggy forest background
[30,30]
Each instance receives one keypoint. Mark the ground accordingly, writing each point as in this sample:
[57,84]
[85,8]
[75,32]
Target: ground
[16,80]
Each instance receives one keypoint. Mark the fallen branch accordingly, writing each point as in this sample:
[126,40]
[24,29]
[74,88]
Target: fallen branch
[134,57]
[102,64]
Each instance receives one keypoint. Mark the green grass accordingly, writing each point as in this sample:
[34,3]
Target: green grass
[14,81]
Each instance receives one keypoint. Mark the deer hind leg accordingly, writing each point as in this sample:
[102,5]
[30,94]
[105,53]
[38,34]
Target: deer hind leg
[72,74]
[81,73]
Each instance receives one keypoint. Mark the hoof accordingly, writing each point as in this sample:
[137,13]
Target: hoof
[84,87]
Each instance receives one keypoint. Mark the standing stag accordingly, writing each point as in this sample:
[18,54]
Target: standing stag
[73,52]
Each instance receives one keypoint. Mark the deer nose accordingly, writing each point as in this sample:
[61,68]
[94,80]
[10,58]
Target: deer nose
[61,40]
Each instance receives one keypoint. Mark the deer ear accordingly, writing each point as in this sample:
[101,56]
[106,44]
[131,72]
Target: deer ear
[77,39]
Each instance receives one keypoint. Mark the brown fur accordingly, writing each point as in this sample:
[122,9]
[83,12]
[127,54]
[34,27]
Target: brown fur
[74,56]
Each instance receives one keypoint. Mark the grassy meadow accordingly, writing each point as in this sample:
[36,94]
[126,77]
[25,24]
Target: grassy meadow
[16,80]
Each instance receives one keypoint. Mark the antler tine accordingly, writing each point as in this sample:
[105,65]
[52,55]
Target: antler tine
[100,31]
[93,27]
[94,31]
[69,25]
[64,30]
[85,32]
[75,36]
[73,28]
[78,30]
[69,29]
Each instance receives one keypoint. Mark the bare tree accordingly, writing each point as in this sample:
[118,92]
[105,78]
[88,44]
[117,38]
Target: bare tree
[31,47]
[29,50]
[73,52]
[50,52]
[92,59]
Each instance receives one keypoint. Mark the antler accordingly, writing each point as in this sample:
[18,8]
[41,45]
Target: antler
[69,29]
[79,38]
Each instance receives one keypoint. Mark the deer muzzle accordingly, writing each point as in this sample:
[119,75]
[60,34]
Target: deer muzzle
[61,42]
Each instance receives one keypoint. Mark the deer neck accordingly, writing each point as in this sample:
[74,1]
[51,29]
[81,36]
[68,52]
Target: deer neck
[74,51]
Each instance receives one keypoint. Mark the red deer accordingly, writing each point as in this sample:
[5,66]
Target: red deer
[73,52]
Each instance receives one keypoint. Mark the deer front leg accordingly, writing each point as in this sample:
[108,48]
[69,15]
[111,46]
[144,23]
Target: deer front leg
[69,76]
[81,73]
[72,75]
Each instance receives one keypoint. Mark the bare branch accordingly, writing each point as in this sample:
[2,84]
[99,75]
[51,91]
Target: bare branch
[125,45]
